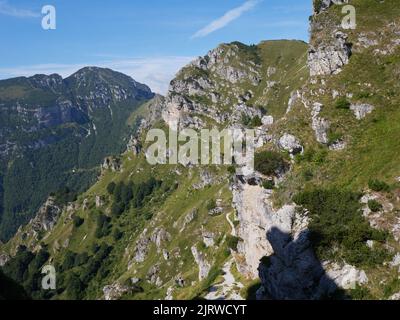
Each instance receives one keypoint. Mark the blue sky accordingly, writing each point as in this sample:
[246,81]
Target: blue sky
[149,40]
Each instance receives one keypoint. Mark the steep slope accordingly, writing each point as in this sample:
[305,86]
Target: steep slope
[175,242]
[346,119]
[56,131]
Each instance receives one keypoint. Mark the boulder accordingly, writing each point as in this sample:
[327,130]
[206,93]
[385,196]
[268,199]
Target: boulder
[361,110]
[395,296]
[4,258]
[345,276]
[267,120]
[290,144]
[208,238]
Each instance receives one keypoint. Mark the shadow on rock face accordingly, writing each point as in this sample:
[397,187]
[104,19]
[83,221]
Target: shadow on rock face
[293,272]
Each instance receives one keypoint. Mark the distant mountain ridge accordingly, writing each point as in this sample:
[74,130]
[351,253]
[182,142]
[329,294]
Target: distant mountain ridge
[51,128]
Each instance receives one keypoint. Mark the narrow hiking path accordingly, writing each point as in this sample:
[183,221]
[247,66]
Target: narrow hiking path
[233,232]
[227,290]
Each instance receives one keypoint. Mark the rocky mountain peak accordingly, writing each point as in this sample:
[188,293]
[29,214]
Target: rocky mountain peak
[323,5]
[91,81]
[53,82]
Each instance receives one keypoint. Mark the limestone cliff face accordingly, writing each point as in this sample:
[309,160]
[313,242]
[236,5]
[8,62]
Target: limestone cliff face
[257,216]
[198,89]
[329,58]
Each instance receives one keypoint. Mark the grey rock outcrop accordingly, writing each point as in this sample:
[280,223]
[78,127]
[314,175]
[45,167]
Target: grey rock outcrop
[395,296]
[142,247]
[202,263]
[112,163]
[319,125]
[206,179]
[329,59]
[189,218]
[195,93]
[99,201]
[159,236]
[395,263]
[256,216]
[153,275]
[345,276]
[4,258]
[267,120]
[134,145]
[326,4]
[208,238]
[47,216]
[361,110]
[115,291]
[290,144]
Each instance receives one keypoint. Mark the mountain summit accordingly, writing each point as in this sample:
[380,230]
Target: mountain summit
[56,131]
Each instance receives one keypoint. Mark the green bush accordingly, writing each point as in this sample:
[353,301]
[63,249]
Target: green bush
[81,258]
[342,103]
[378,186]
[103,226]
[117,209]
[361,293]
[78,221]
[148,215]
[363,95]
[391,287]
[95,248]
[337,221]
[268,184]
[111,187]
[269,162]
[69,261]
[317,5]
[64,195]
[374,205]
[334,137]
[251,122]
[211,204]
[117,234]
[232,242]
[232,169]
[255,122]
[74,287]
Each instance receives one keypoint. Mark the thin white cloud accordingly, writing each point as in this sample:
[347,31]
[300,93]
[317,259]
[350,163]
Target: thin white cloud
[154,72]
[9,10]
[226,19]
